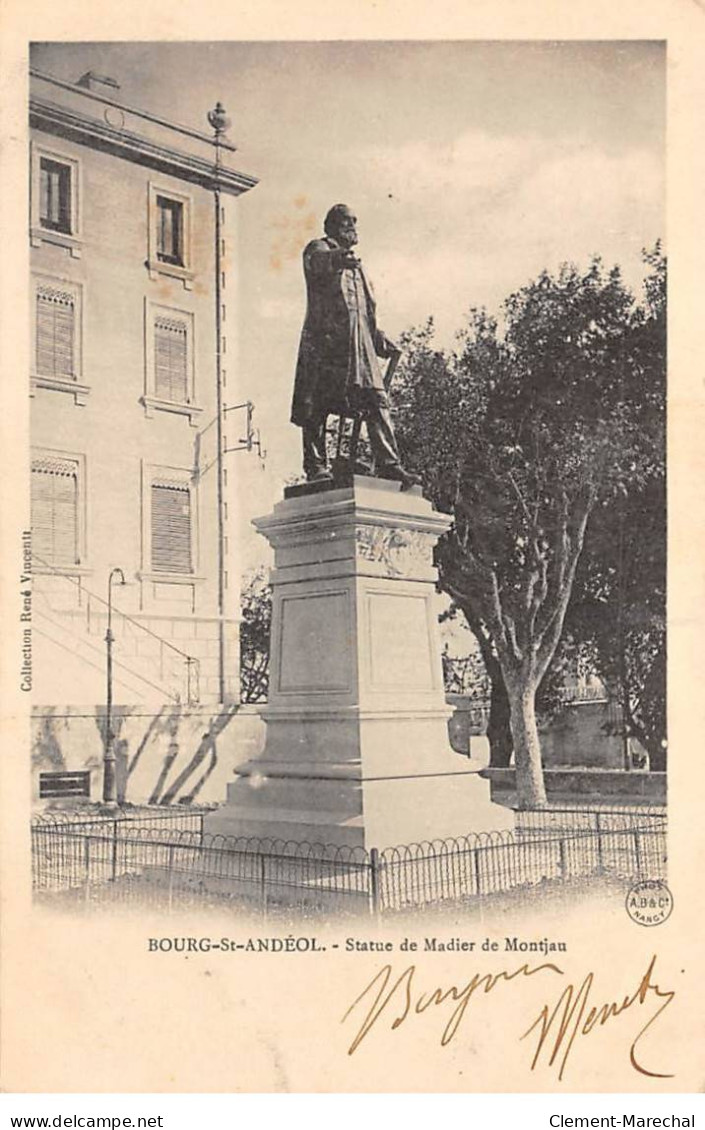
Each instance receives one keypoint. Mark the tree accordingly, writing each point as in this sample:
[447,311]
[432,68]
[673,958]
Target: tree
[617,615]
[255,630]
[618,611]
[520,434]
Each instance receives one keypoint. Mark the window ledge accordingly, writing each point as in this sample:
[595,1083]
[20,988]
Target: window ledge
[171,578]
[157,268]
[155,403]
[72,243]
[61,384]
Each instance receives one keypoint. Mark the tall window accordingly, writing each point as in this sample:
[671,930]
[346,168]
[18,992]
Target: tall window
[171,359]
[55,199]
[54,497]
[169,250]
[170,231]
[55,332]
[54,195]
[171,528]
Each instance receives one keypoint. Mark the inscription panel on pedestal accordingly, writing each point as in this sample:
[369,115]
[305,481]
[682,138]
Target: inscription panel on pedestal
[400,649]
[316,648]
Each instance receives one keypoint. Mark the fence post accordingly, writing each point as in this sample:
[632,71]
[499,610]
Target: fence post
[263,882]
[600,858]
[374,881]
[87,864]
[637,849]
[170,868]
[115,849]
[562,870]
[476,870]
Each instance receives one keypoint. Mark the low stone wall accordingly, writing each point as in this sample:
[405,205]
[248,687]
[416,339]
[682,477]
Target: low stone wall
[166,755]
[594,786]
[584,734]
[176,754]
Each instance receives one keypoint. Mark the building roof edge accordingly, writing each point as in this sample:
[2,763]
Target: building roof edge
[84,130]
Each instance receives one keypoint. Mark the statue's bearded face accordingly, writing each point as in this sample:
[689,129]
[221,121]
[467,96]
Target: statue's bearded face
[346,229]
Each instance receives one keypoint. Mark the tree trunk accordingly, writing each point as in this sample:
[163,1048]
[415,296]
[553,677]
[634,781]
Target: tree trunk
[531,791]
[657,757]
[499,733]
[652,745]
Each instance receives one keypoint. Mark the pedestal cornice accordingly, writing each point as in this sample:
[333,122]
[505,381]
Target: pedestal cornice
[369,530]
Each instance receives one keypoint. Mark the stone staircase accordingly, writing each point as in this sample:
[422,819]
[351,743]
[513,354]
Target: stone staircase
[69,655]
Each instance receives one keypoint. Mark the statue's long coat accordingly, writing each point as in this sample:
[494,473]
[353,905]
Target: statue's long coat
[340,340]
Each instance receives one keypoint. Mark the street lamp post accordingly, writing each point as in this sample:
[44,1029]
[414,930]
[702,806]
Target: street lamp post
[109,780]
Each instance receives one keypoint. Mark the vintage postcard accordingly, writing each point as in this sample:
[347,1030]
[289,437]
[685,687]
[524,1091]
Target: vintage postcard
[352,549]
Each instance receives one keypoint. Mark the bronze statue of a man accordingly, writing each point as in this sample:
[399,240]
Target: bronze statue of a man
[338,369]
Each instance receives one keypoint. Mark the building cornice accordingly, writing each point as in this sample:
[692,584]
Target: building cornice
[132,111]
[84,130]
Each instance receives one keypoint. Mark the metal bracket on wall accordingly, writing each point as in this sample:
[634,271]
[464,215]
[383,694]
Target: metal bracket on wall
[251,440]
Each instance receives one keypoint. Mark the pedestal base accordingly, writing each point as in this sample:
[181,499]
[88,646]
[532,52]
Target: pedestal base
[395,813]
[407,786]
[357,747]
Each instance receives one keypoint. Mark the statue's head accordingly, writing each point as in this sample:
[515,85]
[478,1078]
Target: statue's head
[341,224]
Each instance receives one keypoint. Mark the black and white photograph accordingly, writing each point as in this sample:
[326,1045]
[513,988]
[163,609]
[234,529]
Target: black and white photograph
[343,620]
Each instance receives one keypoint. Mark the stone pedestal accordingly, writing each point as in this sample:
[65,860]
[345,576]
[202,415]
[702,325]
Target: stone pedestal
[357,747]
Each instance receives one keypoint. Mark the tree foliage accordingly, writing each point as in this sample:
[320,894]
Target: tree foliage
[464,675]
[255,631]
[618,612]
[617,616]
[522,433]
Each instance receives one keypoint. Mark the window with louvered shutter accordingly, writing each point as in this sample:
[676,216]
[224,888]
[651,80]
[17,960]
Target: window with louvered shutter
[171,359]
[54,497]
[171,528]
[55,333]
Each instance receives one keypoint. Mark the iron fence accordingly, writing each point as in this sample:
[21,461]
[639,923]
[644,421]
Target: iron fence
[497,862]
[163,865]
[125,824]
[555,820]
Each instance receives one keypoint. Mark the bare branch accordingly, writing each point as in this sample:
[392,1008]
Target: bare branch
[556,577]
[537,593]
[554,625]
[520,496]
[511,632]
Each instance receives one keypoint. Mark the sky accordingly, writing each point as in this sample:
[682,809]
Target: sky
[471,166]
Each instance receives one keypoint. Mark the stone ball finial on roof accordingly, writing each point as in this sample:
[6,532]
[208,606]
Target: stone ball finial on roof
[219,120]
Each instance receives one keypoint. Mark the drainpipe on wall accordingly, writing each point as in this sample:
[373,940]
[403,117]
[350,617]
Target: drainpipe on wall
[219,121]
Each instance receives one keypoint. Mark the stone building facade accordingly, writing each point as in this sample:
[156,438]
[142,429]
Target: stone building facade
[131,232]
